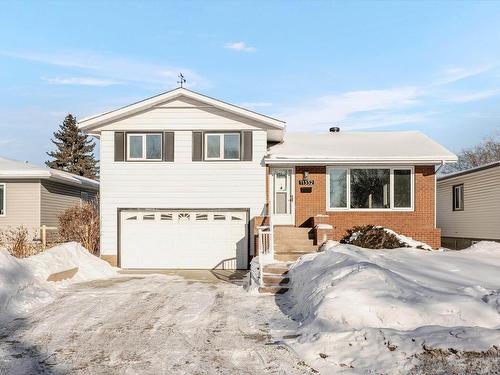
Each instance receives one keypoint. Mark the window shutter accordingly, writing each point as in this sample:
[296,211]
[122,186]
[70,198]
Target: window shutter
[197,146]
[247,146]
[168,146]
[119,146]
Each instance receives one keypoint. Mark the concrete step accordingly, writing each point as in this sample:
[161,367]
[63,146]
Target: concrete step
[289,257]
[275,280]
[273,289]
[295,249]
[276,268]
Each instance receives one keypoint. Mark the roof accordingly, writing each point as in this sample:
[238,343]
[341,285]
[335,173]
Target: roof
[469,171]
[359,147]
[18,169]
[92,122]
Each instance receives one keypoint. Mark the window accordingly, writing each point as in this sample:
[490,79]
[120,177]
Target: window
[2,200]
[458,197]
[370,188]
[166,217]
[402,188]
[223,146]
[218,217]
[338,188]
[148,217]
[144,146]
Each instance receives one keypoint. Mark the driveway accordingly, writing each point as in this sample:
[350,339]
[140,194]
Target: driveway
[186,323]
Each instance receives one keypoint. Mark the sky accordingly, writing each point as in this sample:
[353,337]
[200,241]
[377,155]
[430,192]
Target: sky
[362,66]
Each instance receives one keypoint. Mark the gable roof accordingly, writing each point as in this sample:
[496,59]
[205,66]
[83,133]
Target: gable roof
[96,121]
[469,171]
[359,147]
[18,169]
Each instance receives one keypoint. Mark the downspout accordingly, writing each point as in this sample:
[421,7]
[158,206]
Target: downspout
[435,192]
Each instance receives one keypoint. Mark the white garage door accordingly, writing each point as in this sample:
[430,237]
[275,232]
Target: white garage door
[184,239]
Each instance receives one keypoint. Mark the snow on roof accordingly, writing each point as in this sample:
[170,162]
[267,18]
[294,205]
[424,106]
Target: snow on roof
[356,147]
[470,170]
[18,169]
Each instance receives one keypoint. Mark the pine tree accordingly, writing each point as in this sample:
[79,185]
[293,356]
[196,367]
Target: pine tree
[74,152]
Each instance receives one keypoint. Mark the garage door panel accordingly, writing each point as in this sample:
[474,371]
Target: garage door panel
[184,239]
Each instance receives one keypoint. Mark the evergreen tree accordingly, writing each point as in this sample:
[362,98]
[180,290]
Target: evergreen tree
[74,152]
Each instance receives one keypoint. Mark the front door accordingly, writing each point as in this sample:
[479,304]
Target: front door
[282,203]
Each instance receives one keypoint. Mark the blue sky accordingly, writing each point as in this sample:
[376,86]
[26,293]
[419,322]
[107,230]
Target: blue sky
[430,66]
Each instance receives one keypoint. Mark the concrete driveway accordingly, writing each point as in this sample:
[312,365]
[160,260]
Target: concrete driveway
[172,323]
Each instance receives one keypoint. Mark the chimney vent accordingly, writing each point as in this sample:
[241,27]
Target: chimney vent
[334,129]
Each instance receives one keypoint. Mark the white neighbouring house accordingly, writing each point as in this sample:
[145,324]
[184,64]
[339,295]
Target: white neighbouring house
[186,180]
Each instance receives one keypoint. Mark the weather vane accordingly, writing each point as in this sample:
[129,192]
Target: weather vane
[181,80]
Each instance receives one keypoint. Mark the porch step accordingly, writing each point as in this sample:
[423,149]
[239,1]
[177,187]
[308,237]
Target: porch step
[292,239]
[291,256]
[276,280]
[273,289]
[276,268]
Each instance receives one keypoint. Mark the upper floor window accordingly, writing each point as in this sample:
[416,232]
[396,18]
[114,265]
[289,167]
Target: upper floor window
[2,199]
[458,197]
[222,146]
[144,146]
[370,188]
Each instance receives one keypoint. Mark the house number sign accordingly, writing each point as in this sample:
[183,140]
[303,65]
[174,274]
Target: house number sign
[306,182]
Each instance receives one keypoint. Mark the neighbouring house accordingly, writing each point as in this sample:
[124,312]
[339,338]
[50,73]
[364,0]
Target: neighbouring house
[33,196]
[468,206]
[188,181]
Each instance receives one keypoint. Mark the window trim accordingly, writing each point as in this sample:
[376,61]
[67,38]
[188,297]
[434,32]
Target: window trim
[4,199]
[144,151]
[221,136]
[391,187]
[462,201]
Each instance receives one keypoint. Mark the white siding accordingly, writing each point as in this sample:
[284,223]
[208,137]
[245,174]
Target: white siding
[481,215]
[184,114]
[183,183]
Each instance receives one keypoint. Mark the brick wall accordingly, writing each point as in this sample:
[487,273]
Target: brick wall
[418,224]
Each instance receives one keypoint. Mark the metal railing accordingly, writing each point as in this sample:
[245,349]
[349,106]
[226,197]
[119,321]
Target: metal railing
[266,245]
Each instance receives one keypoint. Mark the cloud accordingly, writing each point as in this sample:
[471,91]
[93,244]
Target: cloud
[107,68]
[455,74]
[332,109]
[239,46]
[80,81]
[472,97]
[255,104]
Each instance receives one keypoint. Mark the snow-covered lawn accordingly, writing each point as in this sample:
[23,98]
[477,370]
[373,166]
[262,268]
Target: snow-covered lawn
[397,311]
[147,324]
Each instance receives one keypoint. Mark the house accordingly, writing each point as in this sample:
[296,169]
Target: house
[188,180]
[33,196]
[468,206]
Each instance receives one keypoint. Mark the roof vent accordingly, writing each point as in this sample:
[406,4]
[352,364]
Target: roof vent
[334,129]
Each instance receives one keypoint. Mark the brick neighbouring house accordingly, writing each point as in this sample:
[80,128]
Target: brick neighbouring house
[181,170]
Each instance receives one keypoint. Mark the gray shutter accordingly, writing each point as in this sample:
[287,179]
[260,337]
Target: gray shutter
[119,146]
[168,146]
[197,146]
[247,146]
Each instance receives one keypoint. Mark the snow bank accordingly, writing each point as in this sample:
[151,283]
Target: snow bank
[369,310]
[23,282]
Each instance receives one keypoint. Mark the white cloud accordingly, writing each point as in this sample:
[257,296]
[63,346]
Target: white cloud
[240,46]
[81,81]
[113,68]
[455,74]
[332,109]
[255,104]
[472,97]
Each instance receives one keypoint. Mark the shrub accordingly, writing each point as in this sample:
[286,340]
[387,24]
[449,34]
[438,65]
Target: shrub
[19,242]
[81,223]
[372,237]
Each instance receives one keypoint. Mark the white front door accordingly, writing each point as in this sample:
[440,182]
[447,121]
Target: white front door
[282,199]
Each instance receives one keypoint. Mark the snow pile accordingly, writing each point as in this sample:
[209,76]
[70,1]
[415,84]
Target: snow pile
[23,282]
[375,310]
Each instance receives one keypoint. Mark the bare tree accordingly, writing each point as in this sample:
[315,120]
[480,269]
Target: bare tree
[487,151]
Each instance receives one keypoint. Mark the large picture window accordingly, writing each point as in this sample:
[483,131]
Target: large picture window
[144,146]
[2,199]
[222,146]
[370,188]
